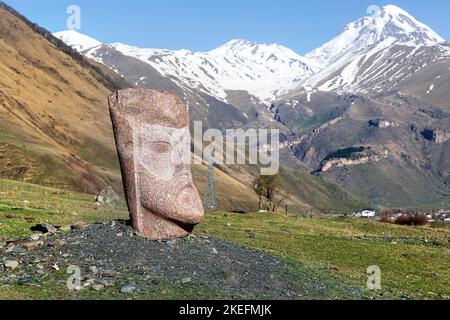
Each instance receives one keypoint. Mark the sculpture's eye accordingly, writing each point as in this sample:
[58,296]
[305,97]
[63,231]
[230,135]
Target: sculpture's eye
[160,147]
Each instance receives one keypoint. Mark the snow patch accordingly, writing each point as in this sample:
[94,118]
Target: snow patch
[76,40]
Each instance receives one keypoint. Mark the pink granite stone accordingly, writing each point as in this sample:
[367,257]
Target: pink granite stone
[153,140]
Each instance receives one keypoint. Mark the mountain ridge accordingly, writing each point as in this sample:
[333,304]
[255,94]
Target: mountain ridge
[269,71]
[385,22]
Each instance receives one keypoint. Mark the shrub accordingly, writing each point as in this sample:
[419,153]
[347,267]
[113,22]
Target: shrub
[385,218]
[344,153]
[388,215]
[412,220]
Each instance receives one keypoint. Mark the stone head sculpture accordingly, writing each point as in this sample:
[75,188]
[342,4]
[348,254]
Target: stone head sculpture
[153,140]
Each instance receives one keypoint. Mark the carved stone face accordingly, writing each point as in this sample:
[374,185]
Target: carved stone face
[154,152]
[164,152]
[164,162]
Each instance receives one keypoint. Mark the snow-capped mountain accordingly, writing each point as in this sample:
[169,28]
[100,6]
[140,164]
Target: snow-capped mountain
[386,22]
[76,40]
[375,53]
[382,83]
[379,68]
[263,70]
[365,52]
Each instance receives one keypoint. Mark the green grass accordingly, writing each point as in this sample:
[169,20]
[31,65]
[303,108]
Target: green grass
[411,267]
[57,289]
[413,261]
[25,205]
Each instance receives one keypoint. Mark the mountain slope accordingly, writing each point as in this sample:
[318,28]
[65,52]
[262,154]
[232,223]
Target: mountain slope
[265,71]
[388,22]
[76,40]
[213,112]
[374,53]
[55,127]
[378,69]
[388,96]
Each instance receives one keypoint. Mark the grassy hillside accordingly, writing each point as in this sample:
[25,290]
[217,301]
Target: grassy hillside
[413,261]
[55,124]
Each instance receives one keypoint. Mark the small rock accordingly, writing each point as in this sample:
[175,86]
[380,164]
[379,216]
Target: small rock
[128,289]
[119,235]
[94,270]
[65,229]
[44,228]
[186,280]
[252,235]
[98,287]
[228,225]
[336,268]
[110,273]
[11,264]
[13,248]
[55,266]
[171,242]
[89,283]
[214,250]
[32,245]
[56,243]
[81,225]
[35,237]
[23,280]
[108,197]
[107,283]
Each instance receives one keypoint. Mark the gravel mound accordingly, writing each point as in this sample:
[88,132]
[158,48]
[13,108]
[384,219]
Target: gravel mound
[111,255]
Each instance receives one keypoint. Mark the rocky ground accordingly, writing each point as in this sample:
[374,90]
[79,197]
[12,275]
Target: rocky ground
[113,259]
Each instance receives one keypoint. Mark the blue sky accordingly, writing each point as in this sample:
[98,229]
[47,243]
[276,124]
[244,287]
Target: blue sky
[202,25]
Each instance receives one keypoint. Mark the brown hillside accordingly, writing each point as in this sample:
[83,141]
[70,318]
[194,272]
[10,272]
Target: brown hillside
[55,124]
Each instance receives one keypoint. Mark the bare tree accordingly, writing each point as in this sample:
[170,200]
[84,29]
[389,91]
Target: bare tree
[282,198]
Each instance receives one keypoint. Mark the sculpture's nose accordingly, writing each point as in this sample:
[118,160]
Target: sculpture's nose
[190,206]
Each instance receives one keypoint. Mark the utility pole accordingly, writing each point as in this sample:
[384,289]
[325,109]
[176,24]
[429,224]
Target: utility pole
[210,201]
